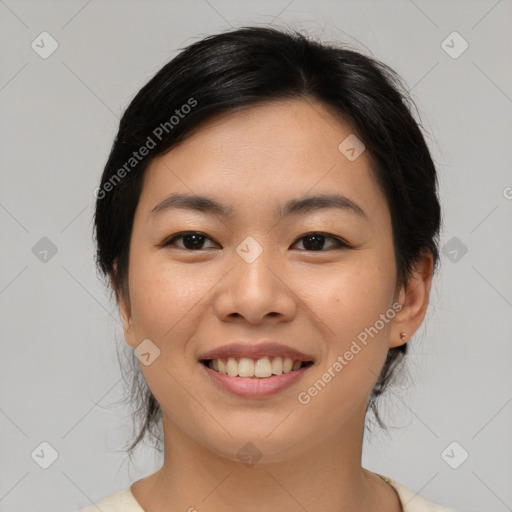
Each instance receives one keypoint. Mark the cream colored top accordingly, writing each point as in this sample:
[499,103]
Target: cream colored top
[124,501]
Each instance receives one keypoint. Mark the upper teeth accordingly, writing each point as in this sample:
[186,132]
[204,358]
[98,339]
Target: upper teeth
[246,367]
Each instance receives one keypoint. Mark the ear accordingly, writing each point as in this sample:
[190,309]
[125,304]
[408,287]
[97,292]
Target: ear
[414,298]
[124,306]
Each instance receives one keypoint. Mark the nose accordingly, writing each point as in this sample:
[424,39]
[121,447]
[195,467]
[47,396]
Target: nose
[256,290]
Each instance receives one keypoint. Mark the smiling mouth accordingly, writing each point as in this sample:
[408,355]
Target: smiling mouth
[262,368]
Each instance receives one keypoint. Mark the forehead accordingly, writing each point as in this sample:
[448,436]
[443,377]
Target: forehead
[263,155]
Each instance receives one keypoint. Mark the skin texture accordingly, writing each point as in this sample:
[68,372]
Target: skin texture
[190,301]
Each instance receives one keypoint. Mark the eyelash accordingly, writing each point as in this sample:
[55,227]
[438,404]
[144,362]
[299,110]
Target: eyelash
[340,244]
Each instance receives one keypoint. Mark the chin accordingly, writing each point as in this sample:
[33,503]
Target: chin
[253,443]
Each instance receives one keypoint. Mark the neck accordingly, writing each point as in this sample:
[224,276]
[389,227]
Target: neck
[328,477]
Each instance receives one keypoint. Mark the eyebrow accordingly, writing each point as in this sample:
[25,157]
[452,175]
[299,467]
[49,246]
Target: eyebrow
[292,207]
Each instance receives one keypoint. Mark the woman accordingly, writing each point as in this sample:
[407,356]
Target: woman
[268,220]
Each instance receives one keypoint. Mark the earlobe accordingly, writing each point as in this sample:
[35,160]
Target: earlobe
[414,299]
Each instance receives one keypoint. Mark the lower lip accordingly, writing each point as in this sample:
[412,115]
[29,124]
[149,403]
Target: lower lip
[257,387]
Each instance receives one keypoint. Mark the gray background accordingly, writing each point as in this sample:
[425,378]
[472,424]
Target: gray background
[60,378]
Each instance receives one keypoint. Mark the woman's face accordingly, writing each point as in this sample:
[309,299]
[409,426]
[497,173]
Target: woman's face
[254,276]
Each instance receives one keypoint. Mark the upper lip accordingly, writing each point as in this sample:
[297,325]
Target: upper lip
[255,351]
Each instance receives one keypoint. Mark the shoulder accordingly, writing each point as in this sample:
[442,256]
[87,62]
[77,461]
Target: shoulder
[120,501]
[413,502]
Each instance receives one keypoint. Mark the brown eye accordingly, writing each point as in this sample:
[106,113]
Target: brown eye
[316,241]
[192,240]
[195,241]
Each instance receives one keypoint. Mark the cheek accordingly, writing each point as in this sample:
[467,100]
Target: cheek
[165,304]
[356,350]
[355,296]
[162,297]
[357,306]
